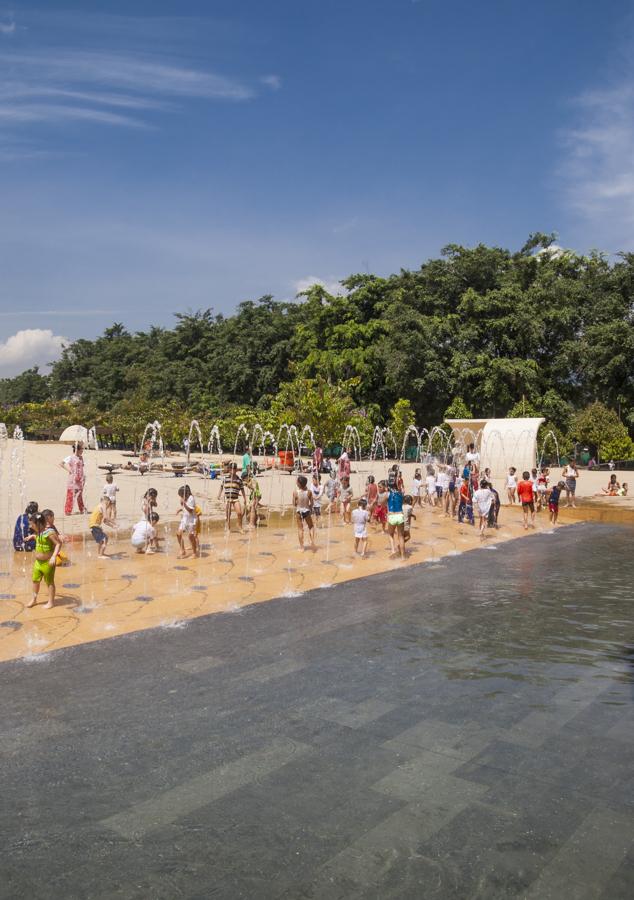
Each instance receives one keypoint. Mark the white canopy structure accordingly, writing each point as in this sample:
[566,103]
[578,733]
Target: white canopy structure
[501,443]
[75,433]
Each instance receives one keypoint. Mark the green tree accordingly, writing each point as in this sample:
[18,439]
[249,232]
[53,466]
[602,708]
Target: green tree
[601,428]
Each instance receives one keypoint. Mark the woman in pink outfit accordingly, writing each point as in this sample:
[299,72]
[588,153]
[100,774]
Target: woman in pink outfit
[74,465]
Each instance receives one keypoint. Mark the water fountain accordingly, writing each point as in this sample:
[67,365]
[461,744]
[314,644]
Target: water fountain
[244,432]
[152,441]
[378,443]
[553,437]
[409,431]
[213,445]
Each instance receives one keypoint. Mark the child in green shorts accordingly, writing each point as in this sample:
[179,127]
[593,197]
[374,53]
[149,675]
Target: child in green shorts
[47,546]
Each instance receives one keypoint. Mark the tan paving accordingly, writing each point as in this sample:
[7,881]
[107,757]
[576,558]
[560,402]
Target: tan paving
[103,598]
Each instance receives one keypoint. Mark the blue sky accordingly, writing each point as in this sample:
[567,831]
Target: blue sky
[159,156]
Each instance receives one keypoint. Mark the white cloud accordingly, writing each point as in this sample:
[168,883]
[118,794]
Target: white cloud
[79,86]
[29,347]
[7,28]
[272,81]
[598,166]
[303,284]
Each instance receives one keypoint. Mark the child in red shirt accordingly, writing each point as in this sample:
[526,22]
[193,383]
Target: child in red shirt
[526,494]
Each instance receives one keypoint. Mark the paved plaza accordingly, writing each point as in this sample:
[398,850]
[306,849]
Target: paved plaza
[457,729]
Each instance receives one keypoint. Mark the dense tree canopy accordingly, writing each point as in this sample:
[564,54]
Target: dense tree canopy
[543,326]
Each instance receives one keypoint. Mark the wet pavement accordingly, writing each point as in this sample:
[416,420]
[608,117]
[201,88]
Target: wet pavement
[462,728]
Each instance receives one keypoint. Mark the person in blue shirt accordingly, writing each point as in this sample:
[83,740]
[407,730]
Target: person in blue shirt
[553,501]
[23,528]
[395,518]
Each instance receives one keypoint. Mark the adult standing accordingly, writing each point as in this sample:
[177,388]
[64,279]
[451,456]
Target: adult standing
[74,465]
[344,464]
[570,475]
[318,456]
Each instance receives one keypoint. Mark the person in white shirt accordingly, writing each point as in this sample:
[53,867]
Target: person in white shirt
[431,487]
[511,485]
[482,500]
[109,491]
[189,521]
[417,487]
[360,517]
[144,538]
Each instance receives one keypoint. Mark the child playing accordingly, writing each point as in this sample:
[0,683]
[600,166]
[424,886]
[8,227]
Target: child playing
[431,486]
[110,493]
[332,492]
[408,515]
[417,487]
[541,488]
[47,545]
[98,517]
[253,502]
[149,503]
[553,501]
[380,507]
[189,521]
[49,519]
[144,538]
[526,494]
[483,499]
[303,505]
[23,529]
[360,518]
[465,506]
[317,489]
[511,485]
[346,500]
[371,495]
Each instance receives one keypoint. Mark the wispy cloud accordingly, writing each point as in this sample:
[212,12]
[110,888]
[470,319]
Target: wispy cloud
[272,81]
[7,28]
[100,87]
[598,165]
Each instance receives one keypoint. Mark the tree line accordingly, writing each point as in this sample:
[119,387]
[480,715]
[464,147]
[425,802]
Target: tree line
[550,329]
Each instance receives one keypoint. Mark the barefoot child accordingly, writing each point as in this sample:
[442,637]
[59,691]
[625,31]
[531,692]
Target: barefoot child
[553,501]
[110,493]
[380,507]
[482,499]
[144,538]
[408,515]
[317,489]
[346,500]
[360,518]
[526,494]
[303,506]
[511,485]
[97,519]
[47,545]
[189,521]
